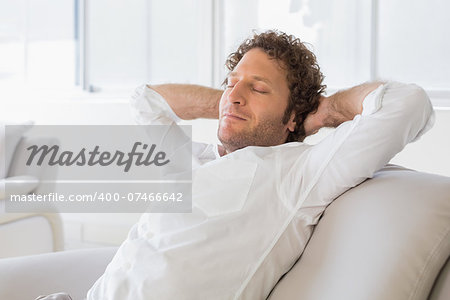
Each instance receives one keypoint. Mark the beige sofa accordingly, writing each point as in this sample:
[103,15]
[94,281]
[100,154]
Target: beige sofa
[388,238]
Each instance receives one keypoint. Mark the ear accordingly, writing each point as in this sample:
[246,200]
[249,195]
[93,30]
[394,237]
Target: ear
[291,123]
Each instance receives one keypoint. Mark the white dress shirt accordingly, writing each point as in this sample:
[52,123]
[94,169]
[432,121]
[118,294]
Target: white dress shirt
[254,209]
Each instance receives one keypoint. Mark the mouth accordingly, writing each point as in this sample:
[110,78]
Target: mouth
[233,116]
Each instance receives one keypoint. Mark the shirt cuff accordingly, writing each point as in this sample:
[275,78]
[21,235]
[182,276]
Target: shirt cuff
[152,108]
[373,101]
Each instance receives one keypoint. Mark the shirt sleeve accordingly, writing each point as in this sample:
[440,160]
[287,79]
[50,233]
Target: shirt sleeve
[393,115]
[150,108]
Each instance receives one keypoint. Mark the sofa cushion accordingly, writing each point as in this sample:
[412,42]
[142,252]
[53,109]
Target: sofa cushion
[387,238]
[73,272]
[25,234]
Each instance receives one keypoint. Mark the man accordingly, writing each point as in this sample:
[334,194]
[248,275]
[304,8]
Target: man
[257,196]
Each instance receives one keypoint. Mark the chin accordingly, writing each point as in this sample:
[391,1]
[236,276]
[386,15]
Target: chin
[226,133]
[231,142]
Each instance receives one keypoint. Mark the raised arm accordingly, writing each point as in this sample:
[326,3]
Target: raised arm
[338,108]
[189,101]
[392,116]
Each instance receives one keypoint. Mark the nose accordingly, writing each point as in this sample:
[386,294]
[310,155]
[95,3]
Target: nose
[237,95]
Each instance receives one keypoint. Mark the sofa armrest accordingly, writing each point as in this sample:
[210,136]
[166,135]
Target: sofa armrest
[73,272]
[31,226]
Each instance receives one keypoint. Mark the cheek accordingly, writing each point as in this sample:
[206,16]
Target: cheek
[271,113]
[222,101]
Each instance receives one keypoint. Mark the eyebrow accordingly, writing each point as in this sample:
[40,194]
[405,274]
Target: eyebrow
[256,77]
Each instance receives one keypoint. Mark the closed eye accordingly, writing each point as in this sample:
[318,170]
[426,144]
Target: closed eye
[260,91]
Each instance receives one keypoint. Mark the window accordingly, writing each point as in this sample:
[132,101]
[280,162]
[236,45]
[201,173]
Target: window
[355,41]
[116,45]
[338,32]
[37,43]
[141,41]
[103,45]
[413,44]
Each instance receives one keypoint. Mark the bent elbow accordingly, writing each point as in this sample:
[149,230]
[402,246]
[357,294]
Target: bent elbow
[421,110]
[419,102]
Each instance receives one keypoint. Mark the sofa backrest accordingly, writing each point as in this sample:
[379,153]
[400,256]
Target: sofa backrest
[387,238]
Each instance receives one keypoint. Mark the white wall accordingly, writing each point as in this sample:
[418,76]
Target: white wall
[66,112]
[432,152]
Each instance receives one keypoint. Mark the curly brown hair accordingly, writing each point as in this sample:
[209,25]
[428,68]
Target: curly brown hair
[303,74]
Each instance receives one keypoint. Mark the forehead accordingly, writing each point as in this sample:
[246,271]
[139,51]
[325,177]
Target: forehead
[258,63]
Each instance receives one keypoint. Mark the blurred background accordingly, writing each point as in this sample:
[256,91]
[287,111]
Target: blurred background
[78,61]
